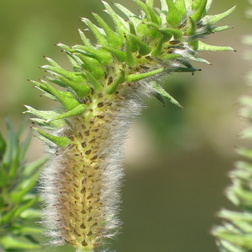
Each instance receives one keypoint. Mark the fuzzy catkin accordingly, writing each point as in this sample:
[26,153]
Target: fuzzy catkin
[80,184]
[99,97]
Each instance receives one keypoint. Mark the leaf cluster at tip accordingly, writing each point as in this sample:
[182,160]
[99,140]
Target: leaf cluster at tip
[154,43]
[17,195]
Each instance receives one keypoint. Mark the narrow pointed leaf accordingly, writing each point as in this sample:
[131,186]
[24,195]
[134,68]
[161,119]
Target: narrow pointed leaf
[119,23]
[113,39]
[84,39]
[98,32]
[80,109]
[129,58]
[138,77]
[10,242]
[120,55]
[213,19]
[173,16]
[200,11]
[181,7]
[31,214]
[144,49]
[205,47]
[58,140]
[96,84]
[221,28]
[192,29]
[158,89]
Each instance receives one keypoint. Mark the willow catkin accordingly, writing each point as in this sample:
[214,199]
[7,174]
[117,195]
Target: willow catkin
[99,99]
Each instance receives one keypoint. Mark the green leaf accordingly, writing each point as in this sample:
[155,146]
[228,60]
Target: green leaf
[247,40]
[135,20]
[174,16]
[13,166]
[23,230]
[237,216]
[65,98]
[96,84]
[177,34]
[221,28]
[33,167]
[157,88]
[98,32]
[243,240]
[7,216]
[120,55]
[58,140]
[143,48]
[113,39]
[25,145]
[84,39]
[164,5]
[80,89]
[208,5]
[138,77]
[11,145]
[80,109]
[150,3]
[113,86]
[200,10]
[213,19]
[247,133]
[181,7]
[120,24]
[129,58]
[193,27]
[158,49]
[46,115]
[10,242]
[24,206]
[245,152]
[195,4]
[2,146]
[28,183]
[31,214]
[11,156]
[104,57]
[205,47]
[150,14]
[3,176]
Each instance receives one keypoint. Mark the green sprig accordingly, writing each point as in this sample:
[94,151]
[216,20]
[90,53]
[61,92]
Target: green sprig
[235,233]
[17,196]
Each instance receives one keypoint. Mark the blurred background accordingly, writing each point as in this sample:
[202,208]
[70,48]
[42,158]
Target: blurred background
[176,160]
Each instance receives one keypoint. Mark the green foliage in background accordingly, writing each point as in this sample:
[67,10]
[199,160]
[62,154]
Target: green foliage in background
[235,234]
[17,195]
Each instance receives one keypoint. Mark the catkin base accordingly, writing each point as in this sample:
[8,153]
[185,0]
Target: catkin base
[80,186]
